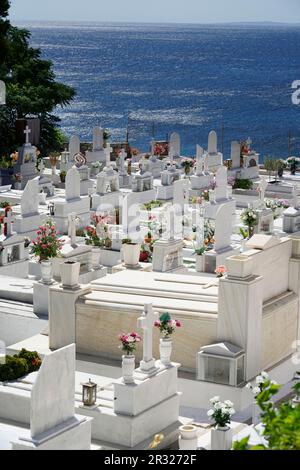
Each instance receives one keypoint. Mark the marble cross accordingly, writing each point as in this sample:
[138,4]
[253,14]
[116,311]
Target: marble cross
[146,322]
[72,222]
[262,189]
[8,220]
[108,151]
[27,132]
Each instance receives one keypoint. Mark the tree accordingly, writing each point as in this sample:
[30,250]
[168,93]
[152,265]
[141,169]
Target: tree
[31,87]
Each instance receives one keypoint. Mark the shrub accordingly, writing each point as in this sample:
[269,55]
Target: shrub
[19,365]
[32,358]
[242,184]
[13,369]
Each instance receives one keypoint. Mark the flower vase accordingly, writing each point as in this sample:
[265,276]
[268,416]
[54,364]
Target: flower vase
[165,349]
[46,269]
[69,273]
[221,438]
[188,439]
[131,252]
[243,245]
[199,263]
[96,252]
[256,414]
[128,366]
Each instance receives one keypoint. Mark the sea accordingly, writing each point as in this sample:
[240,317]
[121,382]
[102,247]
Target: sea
[153,79]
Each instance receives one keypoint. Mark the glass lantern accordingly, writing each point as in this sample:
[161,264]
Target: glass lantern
[89,393]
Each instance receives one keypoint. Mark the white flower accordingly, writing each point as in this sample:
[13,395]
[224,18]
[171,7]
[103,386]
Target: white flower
[254,216]
[218,406]
[249,386]
[273,382]
[228,403]
[214,399]
[259,380]
[256,391]
[264,375]
[130,339]
[231,411]
[210,413]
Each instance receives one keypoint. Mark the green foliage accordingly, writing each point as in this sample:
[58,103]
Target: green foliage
[281,423]
[4,204]
[126,241]
[242,184]
[244,233]
[19,365]
[31,88]
[200,251]
[152,205]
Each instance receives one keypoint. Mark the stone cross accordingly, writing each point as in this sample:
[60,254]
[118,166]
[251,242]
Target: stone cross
[123,156]
[27,132]
[108,151]
[146,322]
[8,220]
[72,222]
[262,190]
[221,183]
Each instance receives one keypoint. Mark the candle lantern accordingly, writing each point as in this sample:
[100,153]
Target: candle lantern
[89,393]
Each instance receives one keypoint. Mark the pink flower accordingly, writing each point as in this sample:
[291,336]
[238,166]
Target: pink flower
[157,323]
[178,324]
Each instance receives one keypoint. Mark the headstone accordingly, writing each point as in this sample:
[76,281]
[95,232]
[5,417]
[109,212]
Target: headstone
[146,322]
[235,155]
[200,160]
[72,184]
[74,146]
[212,143]
[122,170]
[175,144]
[30,198]
[97,138]
[52,396]
[206,164]
[223,227]
[221,183]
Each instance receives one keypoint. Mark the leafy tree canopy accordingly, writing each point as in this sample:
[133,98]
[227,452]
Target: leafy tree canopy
[31,87]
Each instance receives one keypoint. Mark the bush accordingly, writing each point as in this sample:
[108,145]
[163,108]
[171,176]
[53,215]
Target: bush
[32,358]
[19,365]
[242,184]
[13,369]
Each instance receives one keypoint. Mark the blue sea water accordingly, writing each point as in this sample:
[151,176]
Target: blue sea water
[185,78]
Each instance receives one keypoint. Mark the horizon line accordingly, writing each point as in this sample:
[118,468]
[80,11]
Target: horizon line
[239,22]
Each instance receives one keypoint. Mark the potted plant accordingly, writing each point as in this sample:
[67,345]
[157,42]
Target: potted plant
[199,252]
[131,252]
[54,157]
[128,345]
[45,247]
[250,218]
[69,273]
[167,327]
[221,434]
[187,165]
[17,178]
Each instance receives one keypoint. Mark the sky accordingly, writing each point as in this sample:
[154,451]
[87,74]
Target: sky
[157,11]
